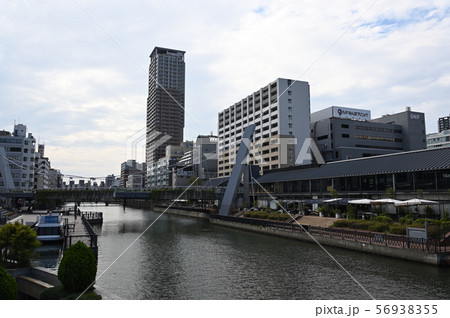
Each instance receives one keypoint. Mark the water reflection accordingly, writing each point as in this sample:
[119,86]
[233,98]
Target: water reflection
[181,258]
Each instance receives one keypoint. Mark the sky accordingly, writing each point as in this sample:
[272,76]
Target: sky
[76,71]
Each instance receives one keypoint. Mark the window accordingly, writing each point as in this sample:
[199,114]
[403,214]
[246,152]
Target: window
[290,117]
[290,125]
[345,136]
[290,100]
[290,109]
[344,126]
[289,93]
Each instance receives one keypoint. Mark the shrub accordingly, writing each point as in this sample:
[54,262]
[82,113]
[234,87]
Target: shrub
[422,221]
[398,229]
[18,243]
[78,267]
[378,227]
[273,216]
[360,225]
[58,293]
[91,295]
[351,212]
[342,223]
[383,219]
[54,293]
[9,289]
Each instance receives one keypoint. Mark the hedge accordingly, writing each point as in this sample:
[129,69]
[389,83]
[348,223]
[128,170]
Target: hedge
[78,267]
[9,290]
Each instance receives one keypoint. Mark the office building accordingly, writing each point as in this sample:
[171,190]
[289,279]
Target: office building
[444,123]
[17,159]
[281,114]
[442,138]
[346,133]
[161,172]
[205,157]
[135,182]
[110,181]
[165,102]
[131,167]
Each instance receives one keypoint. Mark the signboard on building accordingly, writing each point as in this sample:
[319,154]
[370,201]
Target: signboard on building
[351,113]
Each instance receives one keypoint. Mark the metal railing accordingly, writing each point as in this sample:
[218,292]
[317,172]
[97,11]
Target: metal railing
[366,237]
[90,239]
[93,217]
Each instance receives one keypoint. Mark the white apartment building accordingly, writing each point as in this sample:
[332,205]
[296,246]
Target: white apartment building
[439,140]
[281,113]
[17,159]
[135,182]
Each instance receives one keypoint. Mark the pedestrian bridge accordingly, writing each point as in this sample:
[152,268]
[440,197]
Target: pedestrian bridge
[56,197]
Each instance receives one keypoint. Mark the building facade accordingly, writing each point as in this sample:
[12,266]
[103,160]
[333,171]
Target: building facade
[440,139]
[131,167]
[413,128]
[17,152]
[444,123]
[346,133]
[162,171]
[404,173]
[205,156]
[165,102]
[281,113]
[135,182]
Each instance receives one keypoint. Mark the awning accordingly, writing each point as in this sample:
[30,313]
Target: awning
[361,201]
[416,202]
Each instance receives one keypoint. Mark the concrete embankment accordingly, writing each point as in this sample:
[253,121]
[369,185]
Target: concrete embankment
[193,213]
[406,254]
[410,254]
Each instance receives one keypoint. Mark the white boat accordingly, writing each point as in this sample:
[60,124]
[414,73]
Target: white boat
[50,227]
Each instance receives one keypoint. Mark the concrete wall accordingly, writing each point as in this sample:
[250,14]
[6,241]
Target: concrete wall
[406,254]
[180,211]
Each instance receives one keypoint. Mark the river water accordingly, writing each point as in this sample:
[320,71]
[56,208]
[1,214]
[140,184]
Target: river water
[184,258]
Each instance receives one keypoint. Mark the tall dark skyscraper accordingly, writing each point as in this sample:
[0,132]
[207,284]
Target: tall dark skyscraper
[165,102]
[444,123]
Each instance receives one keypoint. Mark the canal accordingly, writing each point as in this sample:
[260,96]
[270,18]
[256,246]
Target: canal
[184,258]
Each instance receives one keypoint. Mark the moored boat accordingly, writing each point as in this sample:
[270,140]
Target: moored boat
[50,227]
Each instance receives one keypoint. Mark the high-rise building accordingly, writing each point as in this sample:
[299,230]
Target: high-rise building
[281,113]
[444,123]
[165,102]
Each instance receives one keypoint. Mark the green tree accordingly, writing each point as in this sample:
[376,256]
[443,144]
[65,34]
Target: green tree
[390,192]
[78,267]
[18,243]
[334,193]
[351,212]
[8,286]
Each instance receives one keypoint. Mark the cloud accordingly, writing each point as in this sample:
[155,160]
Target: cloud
[77,89]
